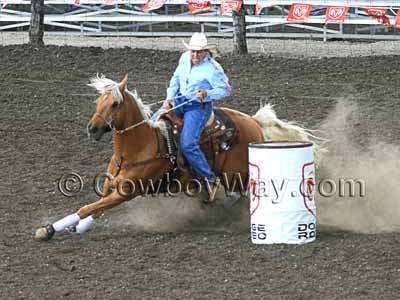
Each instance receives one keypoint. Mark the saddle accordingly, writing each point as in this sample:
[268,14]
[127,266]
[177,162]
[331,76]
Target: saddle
[218,136]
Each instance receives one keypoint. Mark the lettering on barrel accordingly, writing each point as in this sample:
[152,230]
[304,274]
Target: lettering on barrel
[258,232]
[306,231]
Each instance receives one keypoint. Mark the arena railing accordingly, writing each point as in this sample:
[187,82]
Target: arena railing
[126,17]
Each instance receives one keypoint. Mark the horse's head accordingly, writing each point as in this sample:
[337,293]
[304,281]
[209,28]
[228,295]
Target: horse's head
[109,106]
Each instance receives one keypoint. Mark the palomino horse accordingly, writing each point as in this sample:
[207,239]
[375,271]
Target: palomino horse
[139,148]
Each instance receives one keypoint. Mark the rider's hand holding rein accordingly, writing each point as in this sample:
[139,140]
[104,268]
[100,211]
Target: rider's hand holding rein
[168,104]
[201,94]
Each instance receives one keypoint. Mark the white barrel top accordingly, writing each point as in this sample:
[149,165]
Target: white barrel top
[281,144]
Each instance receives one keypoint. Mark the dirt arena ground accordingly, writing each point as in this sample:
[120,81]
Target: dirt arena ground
[178,248]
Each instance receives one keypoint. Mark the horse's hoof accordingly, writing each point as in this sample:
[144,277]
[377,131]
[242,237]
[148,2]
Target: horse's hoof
[206,200]
[45,233]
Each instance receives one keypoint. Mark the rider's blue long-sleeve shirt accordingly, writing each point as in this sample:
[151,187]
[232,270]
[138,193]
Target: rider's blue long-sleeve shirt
[207,75]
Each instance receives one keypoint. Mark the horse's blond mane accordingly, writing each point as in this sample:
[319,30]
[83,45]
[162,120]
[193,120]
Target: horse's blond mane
[102,84]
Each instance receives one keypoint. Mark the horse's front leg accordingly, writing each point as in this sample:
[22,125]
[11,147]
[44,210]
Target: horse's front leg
[85,223]
[83,218]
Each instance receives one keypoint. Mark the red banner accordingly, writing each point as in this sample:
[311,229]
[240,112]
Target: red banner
[299,12]
[260,6]
[379,14]
[229,6]
[375,11]
[336,14]
[199,6]
[397,22]
[152,4]
[110,2]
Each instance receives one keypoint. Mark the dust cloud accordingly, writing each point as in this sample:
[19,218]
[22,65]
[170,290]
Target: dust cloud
[182,214]
[374,165]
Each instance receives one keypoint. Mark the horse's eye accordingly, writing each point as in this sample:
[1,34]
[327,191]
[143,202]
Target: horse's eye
[114,105]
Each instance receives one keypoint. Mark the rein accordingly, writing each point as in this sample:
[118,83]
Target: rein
[145,120]
[161,101]
[130,127]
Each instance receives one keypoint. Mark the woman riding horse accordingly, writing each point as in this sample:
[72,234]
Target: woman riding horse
[198,76]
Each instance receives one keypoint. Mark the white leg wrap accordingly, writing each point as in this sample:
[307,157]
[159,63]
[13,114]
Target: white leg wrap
[84,224]
[60,225]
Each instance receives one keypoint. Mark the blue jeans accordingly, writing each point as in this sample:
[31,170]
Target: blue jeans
[195,117]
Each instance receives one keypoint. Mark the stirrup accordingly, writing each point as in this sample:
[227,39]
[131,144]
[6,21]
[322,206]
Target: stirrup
[212,186]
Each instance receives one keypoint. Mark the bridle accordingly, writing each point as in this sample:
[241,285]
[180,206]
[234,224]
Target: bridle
[111,125]
[110,122]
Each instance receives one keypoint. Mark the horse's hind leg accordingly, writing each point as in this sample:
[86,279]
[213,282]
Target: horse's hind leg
[84,215]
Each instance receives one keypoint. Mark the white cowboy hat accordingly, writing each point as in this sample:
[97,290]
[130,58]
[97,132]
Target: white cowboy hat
[197,42]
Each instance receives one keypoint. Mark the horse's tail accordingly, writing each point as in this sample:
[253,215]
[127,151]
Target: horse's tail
[275,129]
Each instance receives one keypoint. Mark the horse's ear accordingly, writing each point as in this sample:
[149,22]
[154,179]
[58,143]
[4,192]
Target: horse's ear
[123,86]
